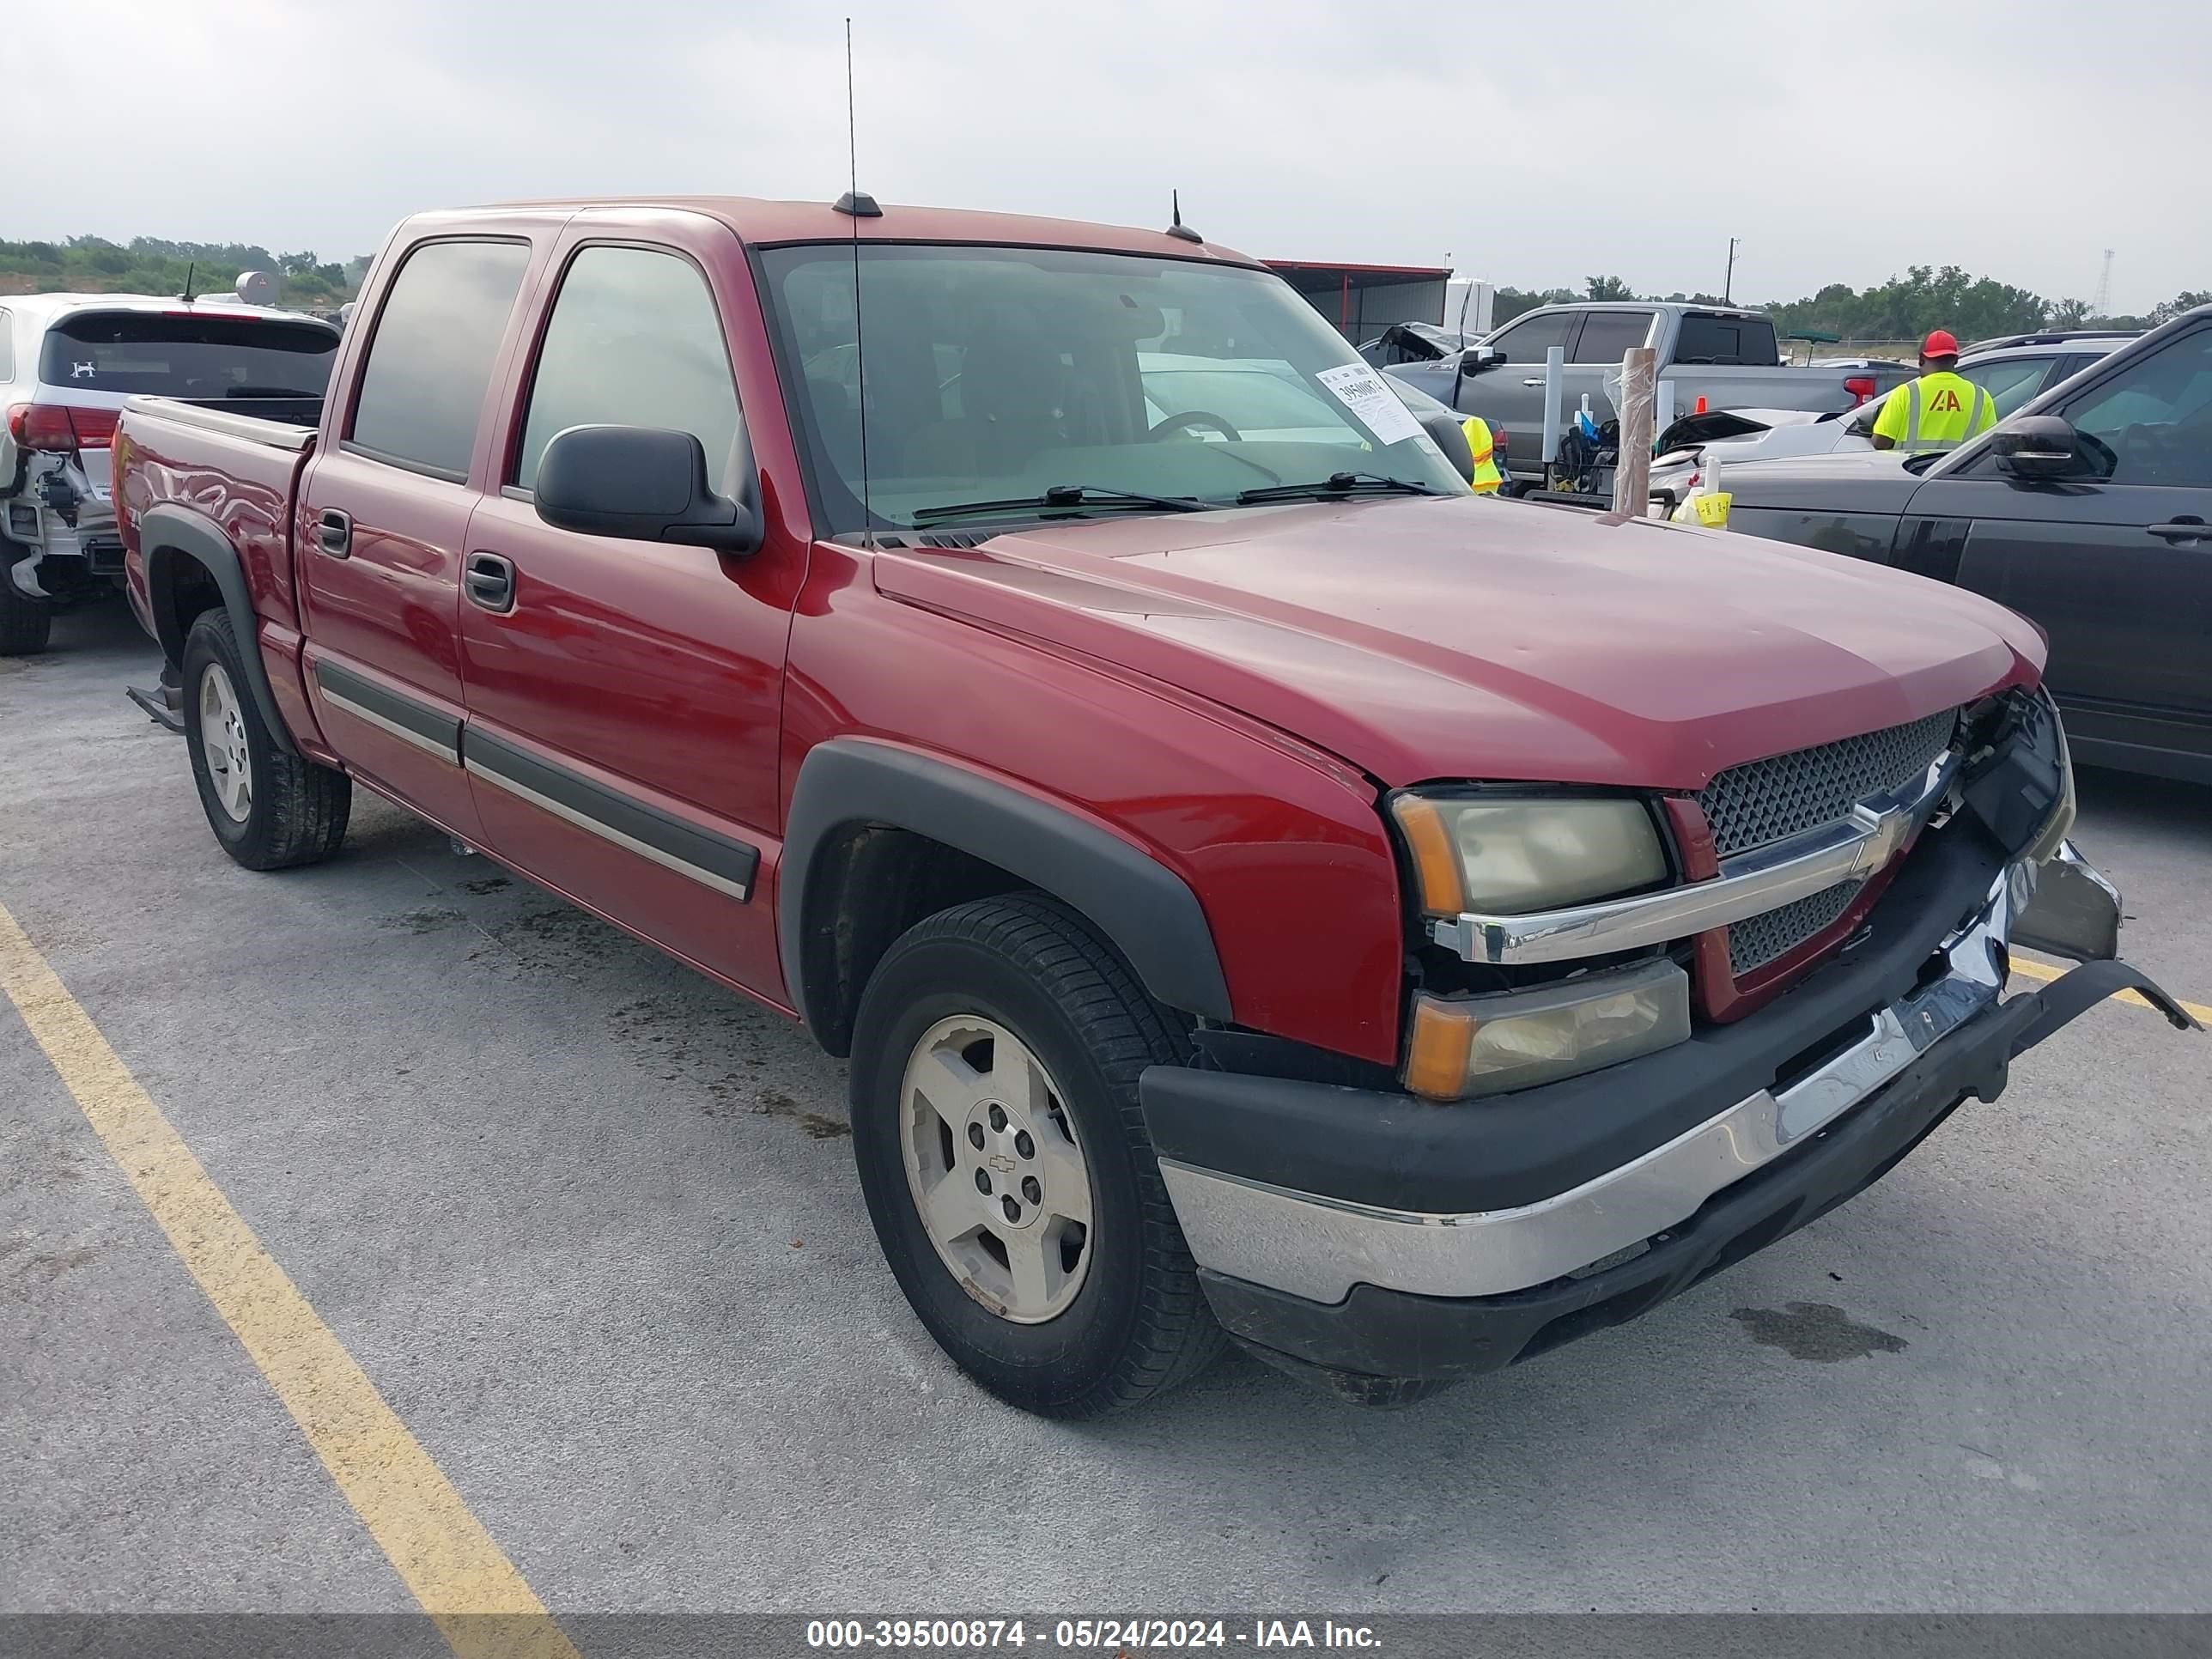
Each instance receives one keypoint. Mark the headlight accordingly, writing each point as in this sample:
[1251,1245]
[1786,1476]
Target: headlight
[1510,856]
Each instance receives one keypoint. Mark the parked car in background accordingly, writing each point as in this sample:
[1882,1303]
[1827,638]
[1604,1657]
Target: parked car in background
[2088,510]
[2011,371]
[68,361]
[1259,886]
[1728,357]
[1414,343]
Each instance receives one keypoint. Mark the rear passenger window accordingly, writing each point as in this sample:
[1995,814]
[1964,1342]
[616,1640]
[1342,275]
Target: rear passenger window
[1606,334]
[430,360]
[634,340]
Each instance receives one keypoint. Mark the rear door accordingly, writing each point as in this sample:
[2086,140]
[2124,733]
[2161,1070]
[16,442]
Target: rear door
[2116,566]
[624,696]
[383,517]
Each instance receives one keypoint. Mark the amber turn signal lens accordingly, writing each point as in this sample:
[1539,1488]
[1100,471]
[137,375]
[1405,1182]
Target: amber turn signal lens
[1436,1060]
[1436,864]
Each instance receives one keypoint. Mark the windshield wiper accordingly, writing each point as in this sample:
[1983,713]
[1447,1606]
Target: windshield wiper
[1337,484]
[1063,496]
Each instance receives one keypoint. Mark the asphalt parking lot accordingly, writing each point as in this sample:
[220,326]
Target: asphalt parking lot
[590,1226]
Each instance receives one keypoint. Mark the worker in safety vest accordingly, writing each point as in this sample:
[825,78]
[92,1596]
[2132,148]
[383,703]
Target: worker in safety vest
[1487,476]
[1939,411]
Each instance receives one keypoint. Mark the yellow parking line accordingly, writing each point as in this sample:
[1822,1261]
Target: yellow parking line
[2044,970]
[462,1579]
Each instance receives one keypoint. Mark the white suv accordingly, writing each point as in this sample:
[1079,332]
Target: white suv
[68,361]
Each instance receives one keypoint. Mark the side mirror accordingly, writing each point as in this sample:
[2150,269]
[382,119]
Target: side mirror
[640,482]
[2038,447]
[1448,434]
[1476,359]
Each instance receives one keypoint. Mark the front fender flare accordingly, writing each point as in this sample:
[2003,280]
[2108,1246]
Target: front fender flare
[1146,911]
[169,531]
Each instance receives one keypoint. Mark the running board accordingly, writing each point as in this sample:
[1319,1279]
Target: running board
[164,705]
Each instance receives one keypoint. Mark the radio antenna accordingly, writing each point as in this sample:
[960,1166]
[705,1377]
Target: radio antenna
[856,207]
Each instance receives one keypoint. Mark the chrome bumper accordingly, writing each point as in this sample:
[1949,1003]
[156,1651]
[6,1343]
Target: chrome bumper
[1317,1246]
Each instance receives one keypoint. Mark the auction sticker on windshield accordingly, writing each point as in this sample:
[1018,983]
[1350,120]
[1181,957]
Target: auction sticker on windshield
[1360,389]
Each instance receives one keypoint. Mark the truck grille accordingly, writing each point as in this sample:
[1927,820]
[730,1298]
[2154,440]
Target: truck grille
[1764,801]
[1757,940]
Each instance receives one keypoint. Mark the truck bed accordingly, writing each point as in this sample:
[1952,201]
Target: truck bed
[238,471]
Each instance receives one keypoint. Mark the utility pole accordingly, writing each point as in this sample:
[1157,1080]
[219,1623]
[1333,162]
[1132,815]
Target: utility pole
[1727,287]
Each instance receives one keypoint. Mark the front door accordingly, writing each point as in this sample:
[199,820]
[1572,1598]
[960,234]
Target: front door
[384,516]
[1511,394]
[623,695]
[2116,566]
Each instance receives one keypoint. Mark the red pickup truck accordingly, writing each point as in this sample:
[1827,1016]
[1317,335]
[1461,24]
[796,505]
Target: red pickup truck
[1260,886]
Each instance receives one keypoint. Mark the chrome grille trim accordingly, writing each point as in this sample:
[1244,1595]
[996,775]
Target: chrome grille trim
[1754,806]
[1853,847]
[1764,801]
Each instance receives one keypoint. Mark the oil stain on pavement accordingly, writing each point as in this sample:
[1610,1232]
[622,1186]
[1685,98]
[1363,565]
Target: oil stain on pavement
[1818,1331]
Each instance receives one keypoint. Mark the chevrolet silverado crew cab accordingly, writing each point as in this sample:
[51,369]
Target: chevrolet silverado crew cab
[1261,888]
[67,363]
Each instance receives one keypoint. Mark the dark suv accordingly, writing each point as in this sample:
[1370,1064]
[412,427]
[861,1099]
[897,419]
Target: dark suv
[2089,510]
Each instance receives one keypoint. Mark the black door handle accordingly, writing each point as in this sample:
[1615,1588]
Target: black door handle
[2186,528]
[334,532]
[489,580]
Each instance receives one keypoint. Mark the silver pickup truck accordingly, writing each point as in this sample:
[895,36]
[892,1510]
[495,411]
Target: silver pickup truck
[1725,355]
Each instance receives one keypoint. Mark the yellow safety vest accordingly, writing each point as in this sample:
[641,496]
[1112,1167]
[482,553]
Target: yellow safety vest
[1937,411]
[1486,480]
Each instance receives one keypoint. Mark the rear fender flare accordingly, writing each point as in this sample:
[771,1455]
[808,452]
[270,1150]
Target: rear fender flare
[169,533]
[1145,909]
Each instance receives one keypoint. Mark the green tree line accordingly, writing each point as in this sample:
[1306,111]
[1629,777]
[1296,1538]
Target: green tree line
[148,264]
[1902,309]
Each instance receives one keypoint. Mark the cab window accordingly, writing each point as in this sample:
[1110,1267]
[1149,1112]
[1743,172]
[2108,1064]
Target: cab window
[2011,383]
[1526,342]
[430,360]
[1608,335]
[634,340]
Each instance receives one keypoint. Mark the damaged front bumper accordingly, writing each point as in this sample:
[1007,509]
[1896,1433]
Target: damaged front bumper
[1369,1237]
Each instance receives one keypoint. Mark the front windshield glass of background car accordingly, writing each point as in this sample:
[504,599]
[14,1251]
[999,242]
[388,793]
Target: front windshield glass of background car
[996,374]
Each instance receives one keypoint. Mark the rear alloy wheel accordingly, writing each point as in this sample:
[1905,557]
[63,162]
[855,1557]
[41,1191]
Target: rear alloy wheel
[222,740]
[270,807]
[1003,1153]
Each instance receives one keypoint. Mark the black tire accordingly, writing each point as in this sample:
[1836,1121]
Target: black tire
[25,624]
[1139,1324]
[298,811]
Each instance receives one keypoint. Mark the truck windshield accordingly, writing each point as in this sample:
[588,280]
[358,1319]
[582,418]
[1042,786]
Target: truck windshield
[1007,375]
[188,356]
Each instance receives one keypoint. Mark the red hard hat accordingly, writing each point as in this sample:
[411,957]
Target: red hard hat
[1941,343]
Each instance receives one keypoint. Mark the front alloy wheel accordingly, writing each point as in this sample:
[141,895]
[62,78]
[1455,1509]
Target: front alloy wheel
[995,1169]
[1003,1154]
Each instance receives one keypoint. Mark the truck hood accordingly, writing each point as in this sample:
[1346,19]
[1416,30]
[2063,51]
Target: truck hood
[1472,638]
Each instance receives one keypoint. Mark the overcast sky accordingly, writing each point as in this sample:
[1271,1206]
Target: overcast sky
[1529,145]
